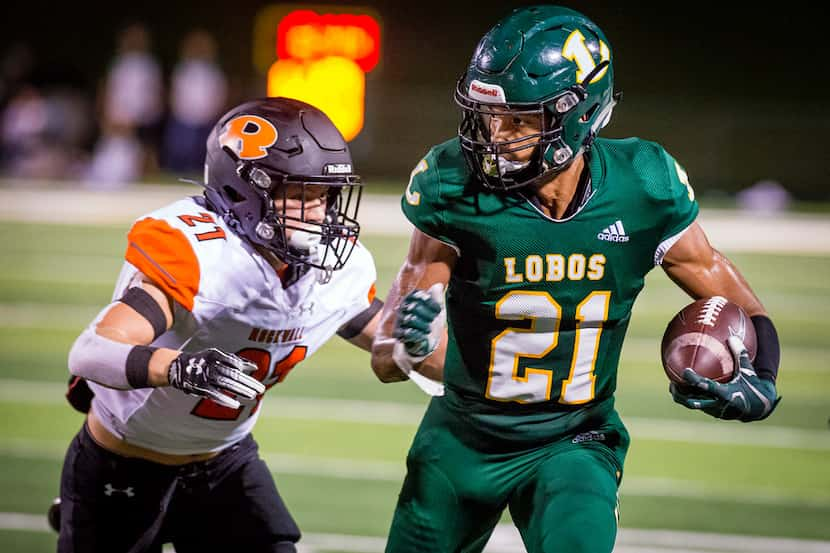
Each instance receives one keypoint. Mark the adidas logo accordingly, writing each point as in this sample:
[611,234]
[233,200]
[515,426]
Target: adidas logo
[614,233]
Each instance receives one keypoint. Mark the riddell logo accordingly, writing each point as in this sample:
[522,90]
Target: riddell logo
[486,92]
[482,90]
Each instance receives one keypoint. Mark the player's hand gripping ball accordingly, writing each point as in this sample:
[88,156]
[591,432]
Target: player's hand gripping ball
[696,338]
[708,350]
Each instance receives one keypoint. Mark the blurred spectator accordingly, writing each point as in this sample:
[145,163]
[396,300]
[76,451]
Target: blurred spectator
[134,90]
[117,160]
[15,71]
[765,196]
[42,133]
[22,128]
[132,106]
[198,96]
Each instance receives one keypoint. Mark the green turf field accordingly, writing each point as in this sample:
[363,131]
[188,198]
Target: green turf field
[336,439]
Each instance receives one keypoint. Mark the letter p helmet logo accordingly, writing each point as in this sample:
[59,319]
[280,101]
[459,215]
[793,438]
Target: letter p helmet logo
[249,136]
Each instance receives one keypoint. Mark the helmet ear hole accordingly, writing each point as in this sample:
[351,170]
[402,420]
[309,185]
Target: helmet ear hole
[232,194]
[588,114]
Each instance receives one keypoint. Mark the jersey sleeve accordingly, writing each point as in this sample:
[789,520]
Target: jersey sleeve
[676,204]
[683,207]
[165,255]
[422,202]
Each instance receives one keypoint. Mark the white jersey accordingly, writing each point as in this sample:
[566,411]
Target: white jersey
[226,296]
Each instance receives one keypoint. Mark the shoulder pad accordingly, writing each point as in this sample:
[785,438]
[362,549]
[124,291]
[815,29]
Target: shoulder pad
[164,254]
[163,245]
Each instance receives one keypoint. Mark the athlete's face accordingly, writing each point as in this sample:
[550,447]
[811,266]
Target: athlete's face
[301,204]
[506,126]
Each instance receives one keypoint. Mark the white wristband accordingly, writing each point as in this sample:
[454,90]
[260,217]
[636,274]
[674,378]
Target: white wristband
[406,363]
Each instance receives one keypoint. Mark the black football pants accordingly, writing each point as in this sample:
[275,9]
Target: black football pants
[115,504]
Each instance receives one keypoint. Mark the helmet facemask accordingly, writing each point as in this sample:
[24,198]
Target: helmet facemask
[298,238]
[551,154]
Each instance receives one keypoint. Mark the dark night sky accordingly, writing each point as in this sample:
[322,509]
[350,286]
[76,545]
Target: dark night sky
[739,91]
[700,47]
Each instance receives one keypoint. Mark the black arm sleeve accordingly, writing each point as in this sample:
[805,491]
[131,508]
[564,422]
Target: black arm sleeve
[358,323]
[769,349]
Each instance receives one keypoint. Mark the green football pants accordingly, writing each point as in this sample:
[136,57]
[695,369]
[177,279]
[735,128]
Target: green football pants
[562,495]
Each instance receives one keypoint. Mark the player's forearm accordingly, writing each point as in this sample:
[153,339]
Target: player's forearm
[736,287]
[159,367]
[717,276]
[385,368]
[119,364]
[361,330]
[383,364]
[383,342]
[115,352]
[428,262]
[702,271]
[433,366]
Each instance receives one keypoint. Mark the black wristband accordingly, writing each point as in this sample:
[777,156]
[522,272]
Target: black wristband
[146,306]
[137,366]
[358,323]
[769,349]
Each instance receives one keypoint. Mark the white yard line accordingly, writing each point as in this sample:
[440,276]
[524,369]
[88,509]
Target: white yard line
[368,470]
[50,315]
[506,539]
[633,486]
[381,214]
[390,413]
[695,541]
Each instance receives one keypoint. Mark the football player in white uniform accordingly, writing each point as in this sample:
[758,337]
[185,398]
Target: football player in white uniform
[219,298]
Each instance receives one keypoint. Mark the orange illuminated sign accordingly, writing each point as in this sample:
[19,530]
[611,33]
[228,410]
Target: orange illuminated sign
[305,34]
[322,59]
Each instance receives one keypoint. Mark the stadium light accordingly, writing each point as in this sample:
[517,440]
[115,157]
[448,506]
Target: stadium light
[322,59]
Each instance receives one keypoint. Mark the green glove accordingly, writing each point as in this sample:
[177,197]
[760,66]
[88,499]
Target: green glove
[419,328]
[746,397]
[420,321]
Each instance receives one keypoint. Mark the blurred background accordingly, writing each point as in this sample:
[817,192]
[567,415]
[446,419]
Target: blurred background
[104,106]
[738,94]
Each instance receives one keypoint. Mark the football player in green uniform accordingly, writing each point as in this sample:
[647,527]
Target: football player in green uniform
[543,234]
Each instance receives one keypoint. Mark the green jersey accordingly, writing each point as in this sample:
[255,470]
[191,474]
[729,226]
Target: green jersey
[538,308]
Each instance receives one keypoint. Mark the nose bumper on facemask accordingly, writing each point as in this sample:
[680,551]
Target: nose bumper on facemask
[317,252]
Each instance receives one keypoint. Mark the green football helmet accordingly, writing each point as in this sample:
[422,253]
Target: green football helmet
[548,62]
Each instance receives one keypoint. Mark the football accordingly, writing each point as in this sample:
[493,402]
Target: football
[697,338]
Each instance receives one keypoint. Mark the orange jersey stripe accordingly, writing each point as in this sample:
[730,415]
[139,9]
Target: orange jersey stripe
[372,293]
[166,257]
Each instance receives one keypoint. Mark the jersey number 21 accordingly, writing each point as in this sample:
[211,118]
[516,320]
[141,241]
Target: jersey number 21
[504,382]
